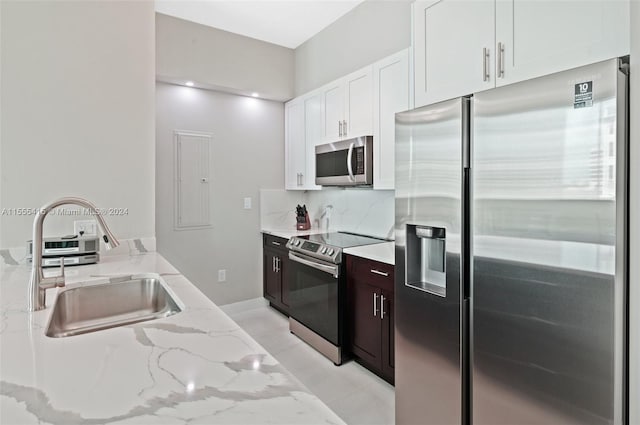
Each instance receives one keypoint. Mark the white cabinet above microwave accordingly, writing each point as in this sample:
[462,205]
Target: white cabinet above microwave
[348,106]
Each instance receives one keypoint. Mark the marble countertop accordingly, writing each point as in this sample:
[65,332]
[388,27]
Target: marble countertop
[382,252]
[196,366]
[288,233]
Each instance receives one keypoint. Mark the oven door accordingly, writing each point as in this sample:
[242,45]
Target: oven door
[315,296]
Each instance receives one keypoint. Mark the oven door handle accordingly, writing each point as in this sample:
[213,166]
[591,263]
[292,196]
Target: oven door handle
[333,270]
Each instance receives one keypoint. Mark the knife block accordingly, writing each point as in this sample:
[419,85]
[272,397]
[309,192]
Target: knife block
[303,225]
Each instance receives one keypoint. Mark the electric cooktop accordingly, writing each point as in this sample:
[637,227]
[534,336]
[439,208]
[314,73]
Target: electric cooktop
[328,246]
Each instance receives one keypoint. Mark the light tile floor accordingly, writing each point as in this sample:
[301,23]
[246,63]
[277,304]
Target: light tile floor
[356,395]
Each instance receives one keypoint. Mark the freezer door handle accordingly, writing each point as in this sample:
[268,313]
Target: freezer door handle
[466,236]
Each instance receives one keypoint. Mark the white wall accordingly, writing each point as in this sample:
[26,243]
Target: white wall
[222,60]
[77,112]
[247,154]
[634,214]
[371,31]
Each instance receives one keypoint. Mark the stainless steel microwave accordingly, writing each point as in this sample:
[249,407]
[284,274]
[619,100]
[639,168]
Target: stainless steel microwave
[345,163]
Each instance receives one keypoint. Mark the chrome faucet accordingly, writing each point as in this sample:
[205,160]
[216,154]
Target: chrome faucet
[38,284]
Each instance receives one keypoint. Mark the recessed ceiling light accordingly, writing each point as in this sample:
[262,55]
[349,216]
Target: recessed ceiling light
[254,94]
[189,83]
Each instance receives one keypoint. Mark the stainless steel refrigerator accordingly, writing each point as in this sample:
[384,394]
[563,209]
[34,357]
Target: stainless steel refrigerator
[511,258]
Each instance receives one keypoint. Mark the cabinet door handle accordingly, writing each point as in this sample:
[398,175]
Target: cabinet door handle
[340,128]
[375,304]
[301,179]
[485,64]
[500,60]
[273,264]
[381,307]
[344,127]
[277,264]
[385,274]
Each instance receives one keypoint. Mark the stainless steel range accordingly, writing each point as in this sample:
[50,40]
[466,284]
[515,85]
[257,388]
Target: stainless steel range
[317,285]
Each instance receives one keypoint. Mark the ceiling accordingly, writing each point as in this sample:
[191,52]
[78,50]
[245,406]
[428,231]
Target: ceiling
[286,23]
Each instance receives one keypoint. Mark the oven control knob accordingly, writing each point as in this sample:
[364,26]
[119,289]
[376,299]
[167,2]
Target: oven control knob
[324,250]
[297,242]
[331,251]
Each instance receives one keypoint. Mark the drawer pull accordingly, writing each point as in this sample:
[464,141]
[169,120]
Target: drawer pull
[385,274]
[275,243]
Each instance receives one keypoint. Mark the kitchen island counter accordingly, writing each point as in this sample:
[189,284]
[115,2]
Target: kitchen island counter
[196,366]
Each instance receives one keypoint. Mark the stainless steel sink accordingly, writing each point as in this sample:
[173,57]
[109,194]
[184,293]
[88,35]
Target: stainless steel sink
[103,306]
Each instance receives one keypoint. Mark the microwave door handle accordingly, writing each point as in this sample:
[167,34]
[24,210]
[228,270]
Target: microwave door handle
[352,178]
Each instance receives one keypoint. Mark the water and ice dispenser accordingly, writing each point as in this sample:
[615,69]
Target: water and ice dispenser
[426,259]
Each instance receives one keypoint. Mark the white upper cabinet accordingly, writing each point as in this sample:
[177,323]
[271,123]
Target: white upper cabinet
[295,145]
[303,130]
[542,37]
[453,43]
[358,119]
[391,95]
[348,106]
[466,46]
[333,111]
[313,135]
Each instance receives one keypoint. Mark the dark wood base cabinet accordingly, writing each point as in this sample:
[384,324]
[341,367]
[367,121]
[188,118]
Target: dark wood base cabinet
[370,313]
[275,262]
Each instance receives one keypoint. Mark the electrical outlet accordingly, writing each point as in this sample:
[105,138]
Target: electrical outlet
[88,227]
[222,275]
[247,203]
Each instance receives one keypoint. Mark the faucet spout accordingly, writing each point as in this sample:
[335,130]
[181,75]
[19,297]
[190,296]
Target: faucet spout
[38,284]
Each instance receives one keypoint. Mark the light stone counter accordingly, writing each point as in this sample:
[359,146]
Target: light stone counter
[288,233]
[197,366]
[382,252]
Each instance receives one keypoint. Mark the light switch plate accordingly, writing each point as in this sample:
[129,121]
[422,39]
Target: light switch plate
[247,203]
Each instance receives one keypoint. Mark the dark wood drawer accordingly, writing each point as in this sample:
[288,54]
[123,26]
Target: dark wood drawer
[274,242]
[372,272]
